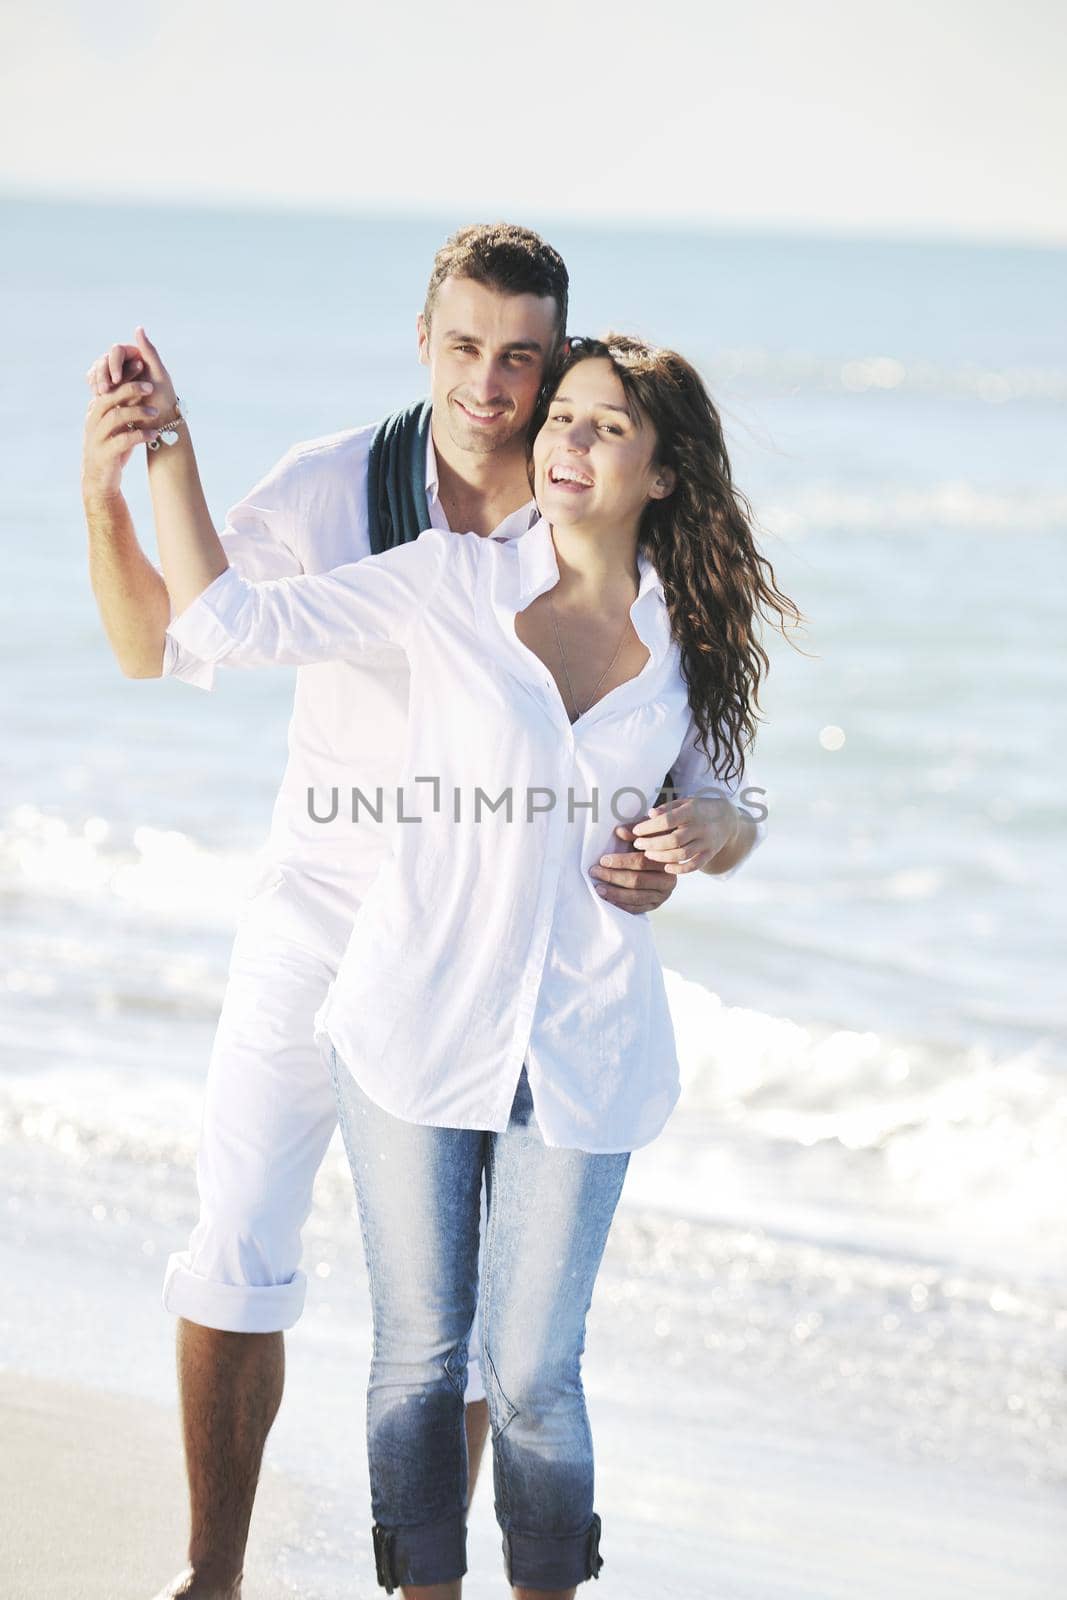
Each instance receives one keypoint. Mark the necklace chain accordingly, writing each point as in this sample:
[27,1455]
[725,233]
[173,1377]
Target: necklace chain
[566,669]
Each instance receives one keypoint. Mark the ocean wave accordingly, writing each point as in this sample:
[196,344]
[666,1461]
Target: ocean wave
[129,867]
[928,1114]
[865,1091]
[117,955]
[92,1113]
[826,507]
[882,374]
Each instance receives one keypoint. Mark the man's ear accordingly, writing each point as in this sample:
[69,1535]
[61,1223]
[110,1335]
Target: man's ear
[663,483]
[423,330]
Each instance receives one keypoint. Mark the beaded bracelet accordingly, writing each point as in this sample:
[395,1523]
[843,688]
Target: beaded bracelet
[168,434]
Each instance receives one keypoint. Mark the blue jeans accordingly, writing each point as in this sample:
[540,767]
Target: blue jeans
[549,1211]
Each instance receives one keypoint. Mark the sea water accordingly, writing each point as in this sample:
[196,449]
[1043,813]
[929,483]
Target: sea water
[856,1218]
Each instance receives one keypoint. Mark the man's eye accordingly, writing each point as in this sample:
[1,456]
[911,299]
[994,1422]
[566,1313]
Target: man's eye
[520,358]
[465,348]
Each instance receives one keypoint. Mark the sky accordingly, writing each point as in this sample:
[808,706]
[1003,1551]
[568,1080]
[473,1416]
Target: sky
[920,117]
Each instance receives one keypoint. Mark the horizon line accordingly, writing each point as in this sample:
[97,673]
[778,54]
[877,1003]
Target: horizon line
[284,206]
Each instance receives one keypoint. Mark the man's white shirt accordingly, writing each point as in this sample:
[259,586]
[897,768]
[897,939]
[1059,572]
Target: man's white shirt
[482,942]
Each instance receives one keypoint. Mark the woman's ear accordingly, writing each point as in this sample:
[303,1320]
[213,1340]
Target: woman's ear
[663,482]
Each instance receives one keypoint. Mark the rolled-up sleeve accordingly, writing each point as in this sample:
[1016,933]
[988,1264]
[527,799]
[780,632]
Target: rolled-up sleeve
[185,668]
[693,775]
[261,539]
[325,617]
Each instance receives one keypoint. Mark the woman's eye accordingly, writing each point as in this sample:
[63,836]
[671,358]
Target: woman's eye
[610,427]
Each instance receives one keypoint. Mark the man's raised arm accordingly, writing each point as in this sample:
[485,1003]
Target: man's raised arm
[131,595]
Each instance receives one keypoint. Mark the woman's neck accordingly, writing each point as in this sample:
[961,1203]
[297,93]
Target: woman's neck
[595,564]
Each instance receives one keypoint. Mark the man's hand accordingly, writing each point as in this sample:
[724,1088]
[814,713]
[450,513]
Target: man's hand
[685,835]
[115,424]
[630,880]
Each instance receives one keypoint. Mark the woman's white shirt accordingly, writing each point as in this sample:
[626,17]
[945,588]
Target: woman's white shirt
[482,943]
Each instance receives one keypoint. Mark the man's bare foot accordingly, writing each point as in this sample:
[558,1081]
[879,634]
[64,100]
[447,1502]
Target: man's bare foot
[191,1585]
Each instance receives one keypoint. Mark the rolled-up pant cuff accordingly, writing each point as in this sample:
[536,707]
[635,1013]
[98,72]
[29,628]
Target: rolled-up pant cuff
[232,1308]
[536,1562]
[432,1552]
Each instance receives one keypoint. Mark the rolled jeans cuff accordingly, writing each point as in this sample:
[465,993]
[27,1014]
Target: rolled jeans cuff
[535,1561]
[434,1552]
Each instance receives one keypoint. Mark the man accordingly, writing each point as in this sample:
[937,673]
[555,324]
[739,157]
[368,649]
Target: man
[495,311]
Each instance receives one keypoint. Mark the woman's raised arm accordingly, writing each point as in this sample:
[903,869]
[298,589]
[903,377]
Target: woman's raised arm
[220,616]
[331,616]
[190,550]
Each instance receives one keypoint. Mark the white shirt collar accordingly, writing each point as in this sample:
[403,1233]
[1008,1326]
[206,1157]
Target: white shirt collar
[512,527]
[539,570]
[431,468]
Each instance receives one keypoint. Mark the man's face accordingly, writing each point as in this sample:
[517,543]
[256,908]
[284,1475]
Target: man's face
[486,352]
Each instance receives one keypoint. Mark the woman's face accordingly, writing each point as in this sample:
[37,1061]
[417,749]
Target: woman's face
[594,458]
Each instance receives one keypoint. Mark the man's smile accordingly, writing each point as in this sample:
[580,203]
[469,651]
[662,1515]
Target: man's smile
[480,414]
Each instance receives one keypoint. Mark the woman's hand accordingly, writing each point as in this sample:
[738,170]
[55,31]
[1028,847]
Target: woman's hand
[685,835]
[125,362]
[121,364]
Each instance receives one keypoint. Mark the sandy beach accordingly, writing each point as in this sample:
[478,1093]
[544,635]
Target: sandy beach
[92,1508]
[92,1498]
[774,1418]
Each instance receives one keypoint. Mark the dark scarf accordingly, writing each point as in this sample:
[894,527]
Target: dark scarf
[396,478]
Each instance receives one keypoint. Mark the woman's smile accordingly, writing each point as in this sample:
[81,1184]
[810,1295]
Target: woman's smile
[570,480]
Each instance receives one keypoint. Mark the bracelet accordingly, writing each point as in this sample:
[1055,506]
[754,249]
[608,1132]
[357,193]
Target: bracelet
[168,433]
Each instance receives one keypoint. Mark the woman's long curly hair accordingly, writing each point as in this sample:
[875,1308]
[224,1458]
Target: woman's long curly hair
[699,539]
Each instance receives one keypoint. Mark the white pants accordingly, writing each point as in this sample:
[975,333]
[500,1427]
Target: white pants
[269,1115]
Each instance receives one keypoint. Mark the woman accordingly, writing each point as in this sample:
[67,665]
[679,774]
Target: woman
[486,1015]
